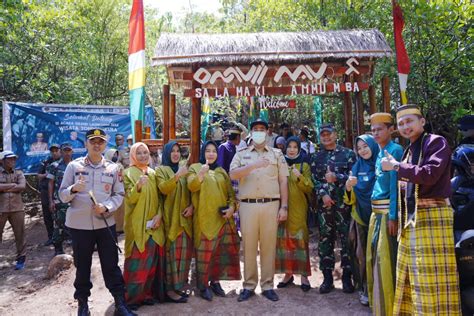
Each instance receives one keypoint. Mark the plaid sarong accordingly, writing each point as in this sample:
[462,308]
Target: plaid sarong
[178,260]
[292,253]
[218,258]
[381,260]
[427,278]
[144,273]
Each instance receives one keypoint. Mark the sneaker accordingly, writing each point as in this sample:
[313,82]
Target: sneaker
[363,299]
[20,263]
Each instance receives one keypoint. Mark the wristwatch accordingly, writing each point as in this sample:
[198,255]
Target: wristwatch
[285,207]
[396,167]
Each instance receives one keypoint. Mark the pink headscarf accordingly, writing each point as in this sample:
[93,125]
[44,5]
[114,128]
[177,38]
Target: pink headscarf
[133,156]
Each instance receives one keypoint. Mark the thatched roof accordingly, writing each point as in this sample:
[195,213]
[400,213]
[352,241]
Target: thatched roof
[226,49]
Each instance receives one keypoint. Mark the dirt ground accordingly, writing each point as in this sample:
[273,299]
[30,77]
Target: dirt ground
[28,292]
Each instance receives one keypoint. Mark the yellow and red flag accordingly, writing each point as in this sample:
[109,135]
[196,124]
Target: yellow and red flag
[403,62]
[136,63]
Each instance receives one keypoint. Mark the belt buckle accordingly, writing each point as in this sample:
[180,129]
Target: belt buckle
[262,200]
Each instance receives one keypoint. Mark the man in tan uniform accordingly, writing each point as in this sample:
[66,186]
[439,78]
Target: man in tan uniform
[263,194]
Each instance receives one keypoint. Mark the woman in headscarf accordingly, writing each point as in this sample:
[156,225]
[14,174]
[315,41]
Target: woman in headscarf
[215,235]
[113,155]
[280,143]
[292,253]
[144,233]
[177,218]
[359,189]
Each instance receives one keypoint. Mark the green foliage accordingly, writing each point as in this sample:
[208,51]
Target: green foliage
[75,51]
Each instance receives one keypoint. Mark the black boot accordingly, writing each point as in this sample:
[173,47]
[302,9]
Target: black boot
[58,249]
[121,308]
[83,307]
[328,283]
[347,286]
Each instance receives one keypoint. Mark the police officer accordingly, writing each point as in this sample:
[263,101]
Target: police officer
[263,194]
[90,222]
[55,155]
[56,207]
[330,167]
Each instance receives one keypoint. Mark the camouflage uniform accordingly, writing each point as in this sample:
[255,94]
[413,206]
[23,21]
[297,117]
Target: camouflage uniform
[56,172]
[337,218]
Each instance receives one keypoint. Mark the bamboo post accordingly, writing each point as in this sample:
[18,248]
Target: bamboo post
[195,126]
[138,131]
[348,119]
[172,126]
[359,110]
[166,113]
[386,94]
[147,134]
[372,100]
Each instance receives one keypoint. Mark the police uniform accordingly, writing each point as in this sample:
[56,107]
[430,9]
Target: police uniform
[86,228]
[333,221]
[259,195]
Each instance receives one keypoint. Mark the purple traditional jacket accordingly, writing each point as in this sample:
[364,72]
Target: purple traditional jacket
[433,173]
[225,153]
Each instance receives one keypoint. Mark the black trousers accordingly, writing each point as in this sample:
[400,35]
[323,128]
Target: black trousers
[83,242]
[47,216]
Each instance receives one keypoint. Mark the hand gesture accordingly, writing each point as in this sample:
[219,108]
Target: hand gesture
[388,162]
[182,171]
[261,163]
[328,202]
[188,211]
[330,176]
[80,184]
[351,182]
[204,169]
[296,172]
[142,181]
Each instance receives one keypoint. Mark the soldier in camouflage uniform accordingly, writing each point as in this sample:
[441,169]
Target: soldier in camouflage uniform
[55,173]
[330,168]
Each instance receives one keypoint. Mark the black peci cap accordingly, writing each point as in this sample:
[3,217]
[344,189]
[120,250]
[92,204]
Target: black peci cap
[259,121]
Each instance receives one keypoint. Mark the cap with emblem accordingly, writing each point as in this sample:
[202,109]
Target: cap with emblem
[96,133]
[328,127]
[259,121]
[408,109]
[65,146]
[8,154]
[54,146]
[130,137]
[381,117]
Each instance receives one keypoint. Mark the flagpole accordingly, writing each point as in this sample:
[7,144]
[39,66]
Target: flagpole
[136,63]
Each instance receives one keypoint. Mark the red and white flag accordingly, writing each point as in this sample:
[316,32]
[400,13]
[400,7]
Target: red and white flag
[403,62]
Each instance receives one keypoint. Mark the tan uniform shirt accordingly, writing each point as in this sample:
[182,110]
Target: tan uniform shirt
[261,182]
[104,180]
[11,201]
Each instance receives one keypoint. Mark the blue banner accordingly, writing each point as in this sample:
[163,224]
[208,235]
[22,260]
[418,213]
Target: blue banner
[29,129]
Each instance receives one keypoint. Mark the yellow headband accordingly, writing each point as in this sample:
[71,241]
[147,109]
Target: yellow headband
[411,110]
[381,118]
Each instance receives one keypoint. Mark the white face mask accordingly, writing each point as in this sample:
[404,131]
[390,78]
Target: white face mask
[259,137]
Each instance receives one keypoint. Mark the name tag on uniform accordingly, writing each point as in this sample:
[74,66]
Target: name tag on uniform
[246,157]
